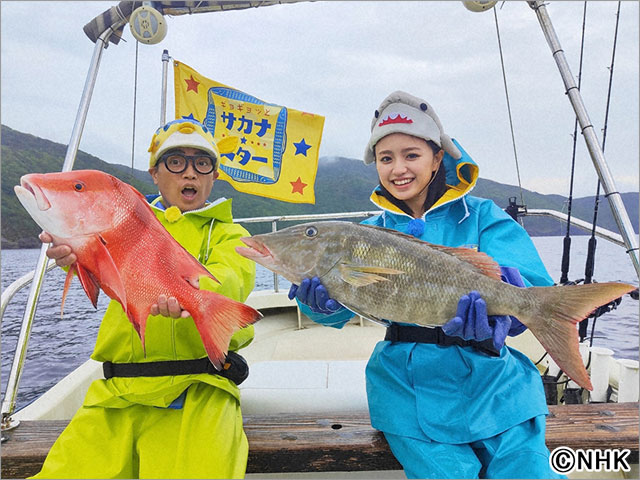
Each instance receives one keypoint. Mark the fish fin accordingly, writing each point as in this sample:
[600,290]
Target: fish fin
[368,316]
[98,261]
[479,261]
[227,145]
[561,307]
[359,276]
[67,284]
[138,318]
[194,280]
[216,317]
[89,284]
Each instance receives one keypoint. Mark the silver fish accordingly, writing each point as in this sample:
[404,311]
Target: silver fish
[382,274]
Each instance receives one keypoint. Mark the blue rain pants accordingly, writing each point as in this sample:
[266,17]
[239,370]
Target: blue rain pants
[519,452]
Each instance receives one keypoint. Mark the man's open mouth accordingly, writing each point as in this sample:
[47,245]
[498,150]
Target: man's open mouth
[189,192]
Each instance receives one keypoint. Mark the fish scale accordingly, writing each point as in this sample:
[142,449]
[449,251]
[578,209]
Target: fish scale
[420,273]
[382,274]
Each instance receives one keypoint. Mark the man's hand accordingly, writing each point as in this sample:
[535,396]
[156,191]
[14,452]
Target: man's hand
[62,254]
[168,307]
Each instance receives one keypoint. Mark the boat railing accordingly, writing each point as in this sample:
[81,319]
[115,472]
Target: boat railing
[576,222]
[25,280]
[8,403]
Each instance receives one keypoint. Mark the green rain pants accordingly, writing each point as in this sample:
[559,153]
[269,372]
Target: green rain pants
[204,439]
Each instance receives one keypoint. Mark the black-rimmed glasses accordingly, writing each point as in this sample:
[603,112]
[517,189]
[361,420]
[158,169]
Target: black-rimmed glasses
[177,162]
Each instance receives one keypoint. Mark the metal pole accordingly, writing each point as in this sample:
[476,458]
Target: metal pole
[9,400]
[588,131]
[163,100]
[274,228]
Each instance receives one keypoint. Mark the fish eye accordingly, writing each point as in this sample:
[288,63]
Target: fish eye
[311,231]
[78,186]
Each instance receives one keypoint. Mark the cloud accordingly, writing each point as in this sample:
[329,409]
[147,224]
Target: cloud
[340,59]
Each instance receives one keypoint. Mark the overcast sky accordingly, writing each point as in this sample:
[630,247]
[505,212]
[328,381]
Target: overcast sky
[340,59]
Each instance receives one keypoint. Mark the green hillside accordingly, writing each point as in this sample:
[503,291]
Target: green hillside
[341,185]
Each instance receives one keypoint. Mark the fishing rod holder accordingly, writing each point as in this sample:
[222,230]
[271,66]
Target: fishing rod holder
[515,210]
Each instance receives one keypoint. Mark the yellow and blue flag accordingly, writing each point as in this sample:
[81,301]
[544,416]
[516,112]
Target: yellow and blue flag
[276,152]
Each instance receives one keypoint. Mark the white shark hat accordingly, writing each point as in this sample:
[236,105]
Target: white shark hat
[401,112]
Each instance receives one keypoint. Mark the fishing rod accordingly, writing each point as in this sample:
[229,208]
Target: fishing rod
[564,273]
[588,131]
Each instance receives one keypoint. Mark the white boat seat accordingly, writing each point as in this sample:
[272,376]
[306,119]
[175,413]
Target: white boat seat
[311,386]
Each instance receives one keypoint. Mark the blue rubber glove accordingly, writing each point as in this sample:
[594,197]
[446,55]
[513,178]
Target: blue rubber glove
[311,292]
[472,322]
[511,275]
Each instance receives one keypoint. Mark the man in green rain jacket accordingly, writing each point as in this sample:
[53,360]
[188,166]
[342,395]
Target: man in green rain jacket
[168,426]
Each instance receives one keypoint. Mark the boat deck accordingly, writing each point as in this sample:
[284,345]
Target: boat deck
[346,442]
[304,406]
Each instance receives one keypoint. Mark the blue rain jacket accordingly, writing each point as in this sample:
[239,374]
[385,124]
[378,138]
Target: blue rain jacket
[454,394]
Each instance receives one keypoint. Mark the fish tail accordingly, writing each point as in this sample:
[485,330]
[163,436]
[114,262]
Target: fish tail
[216,319]
[560,309]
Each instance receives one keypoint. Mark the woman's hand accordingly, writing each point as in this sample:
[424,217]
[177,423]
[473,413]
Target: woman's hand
[472,322]
[311,292]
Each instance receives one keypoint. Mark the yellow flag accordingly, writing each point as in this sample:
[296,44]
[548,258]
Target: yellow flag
[275,148]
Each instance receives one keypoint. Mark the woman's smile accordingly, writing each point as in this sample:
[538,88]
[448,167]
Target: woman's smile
[403,182]
[406,165]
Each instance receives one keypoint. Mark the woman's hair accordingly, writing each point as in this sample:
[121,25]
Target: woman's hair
[437,186]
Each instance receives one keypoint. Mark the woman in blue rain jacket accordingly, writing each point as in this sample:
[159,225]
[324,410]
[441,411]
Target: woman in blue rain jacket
[449,407]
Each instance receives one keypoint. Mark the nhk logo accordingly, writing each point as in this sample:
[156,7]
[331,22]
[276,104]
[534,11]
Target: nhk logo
[565,460]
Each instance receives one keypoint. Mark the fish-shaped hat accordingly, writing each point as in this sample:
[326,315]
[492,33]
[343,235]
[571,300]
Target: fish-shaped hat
[183,132]
[401,112]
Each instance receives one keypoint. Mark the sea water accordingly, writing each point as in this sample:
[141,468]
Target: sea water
[60,344]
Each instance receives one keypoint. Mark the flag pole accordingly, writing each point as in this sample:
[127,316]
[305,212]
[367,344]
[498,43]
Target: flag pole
[163,97]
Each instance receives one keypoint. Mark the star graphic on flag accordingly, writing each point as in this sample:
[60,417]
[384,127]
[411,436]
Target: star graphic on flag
[192,84]
[189,117]
[302,147]
[298,186]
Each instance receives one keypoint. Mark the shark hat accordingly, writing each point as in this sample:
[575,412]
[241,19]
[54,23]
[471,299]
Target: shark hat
[401,112]
[183,132]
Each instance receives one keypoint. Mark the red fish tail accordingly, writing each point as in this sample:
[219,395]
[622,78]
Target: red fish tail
[216,318]
[560,309]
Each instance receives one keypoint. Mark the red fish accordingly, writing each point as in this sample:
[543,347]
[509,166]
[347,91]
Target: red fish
[123,249]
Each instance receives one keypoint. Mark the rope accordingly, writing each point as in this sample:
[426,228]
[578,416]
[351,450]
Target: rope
[564,273]
[135,96]
[506,91]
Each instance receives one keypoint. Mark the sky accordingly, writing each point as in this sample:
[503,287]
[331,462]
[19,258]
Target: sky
[340,60]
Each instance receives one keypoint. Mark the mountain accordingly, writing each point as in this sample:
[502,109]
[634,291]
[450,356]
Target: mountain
[342,185]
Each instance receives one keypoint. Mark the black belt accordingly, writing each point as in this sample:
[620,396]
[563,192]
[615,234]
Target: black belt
[235,368]
[411,334]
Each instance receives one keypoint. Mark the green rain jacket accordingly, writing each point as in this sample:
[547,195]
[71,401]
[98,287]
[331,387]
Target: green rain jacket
[210,235]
